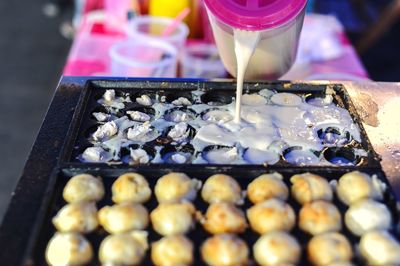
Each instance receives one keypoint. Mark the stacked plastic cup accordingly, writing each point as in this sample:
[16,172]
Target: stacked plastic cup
[201,60]
[147,27]
[143,58]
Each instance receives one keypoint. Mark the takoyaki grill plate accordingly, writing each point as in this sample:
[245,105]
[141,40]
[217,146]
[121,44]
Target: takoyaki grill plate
[358,154]
[44,229]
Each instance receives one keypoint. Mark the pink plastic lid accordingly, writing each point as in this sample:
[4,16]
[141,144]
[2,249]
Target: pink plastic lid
[255,14]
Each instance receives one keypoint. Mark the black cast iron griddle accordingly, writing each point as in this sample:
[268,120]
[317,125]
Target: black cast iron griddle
[26,227]
[222,93]
[54,202]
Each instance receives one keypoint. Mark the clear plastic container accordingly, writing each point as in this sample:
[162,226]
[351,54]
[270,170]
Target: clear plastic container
[147,27]
[201,60]
[89,51]
[279,23]
[89,43]
[143,58]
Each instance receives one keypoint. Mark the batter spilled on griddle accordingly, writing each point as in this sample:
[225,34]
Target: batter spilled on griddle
[190,131]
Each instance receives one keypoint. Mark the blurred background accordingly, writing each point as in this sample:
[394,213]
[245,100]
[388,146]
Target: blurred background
[44,39]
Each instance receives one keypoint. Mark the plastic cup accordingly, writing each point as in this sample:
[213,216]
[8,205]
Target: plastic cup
[143,58]
[279,23]
[202,61]
[147,27]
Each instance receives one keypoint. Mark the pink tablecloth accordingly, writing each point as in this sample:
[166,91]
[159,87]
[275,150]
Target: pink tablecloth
[89,52]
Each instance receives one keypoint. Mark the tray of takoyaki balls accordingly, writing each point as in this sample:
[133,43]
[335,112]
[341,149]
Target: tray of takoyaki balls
[193,123]
[216,216]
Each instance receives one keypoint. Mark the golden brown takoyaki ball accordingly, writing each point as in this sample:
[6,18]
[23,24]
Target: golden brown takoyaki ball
[319,217]
[225,250]
[271,215]
[224,217]
[173,218]
[277,248]
[220,188]
[172,251]
[329,248]
[267,186]
[123,249]
[367,215]
[83,187]
[123,217]
[355,186]
[175,187]
[68,249]
[131,187]
[380,248]
[78,217]
[309,187]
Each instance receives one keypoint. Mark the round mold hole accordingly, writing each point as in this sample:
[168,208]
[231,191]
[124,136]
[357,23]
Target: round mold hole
[125,153]
[177,154]
[341,156]
[254,156]
[286,99]
[148,137]
[99,94]
[180,114]
[170,97]
[189,135]
[108,115]
[215,115]
[333,136]
[139,94]
[301,157]
[106,155]
[319,100]
[218,154]
[216,98]
[143,109]
[80,148]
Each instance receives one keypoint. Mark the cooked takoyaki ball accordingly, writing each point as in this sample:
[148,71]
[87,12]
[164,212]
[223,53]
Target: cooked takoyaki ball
[341,263]
[266,187]
[225,250]
[224,217]
[131,187]
[319,217]
[173,218]
[83,187]
[329,248]
[77,217]
[355,186]
[379,248]
[271,215]
[123,249]
[172,251]
[68,249]
[123,217]
[220,188]
[310,187]
[175,187]
[366,215]
[277,248]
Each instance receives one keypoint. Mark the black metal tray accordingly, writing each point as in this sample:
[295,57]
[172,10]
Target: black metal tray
[83,121]
[44,229]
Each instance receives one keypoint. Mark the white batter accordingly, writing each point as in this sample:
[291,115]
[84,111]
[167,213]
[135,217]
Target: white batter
[270,122]
[245,44]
